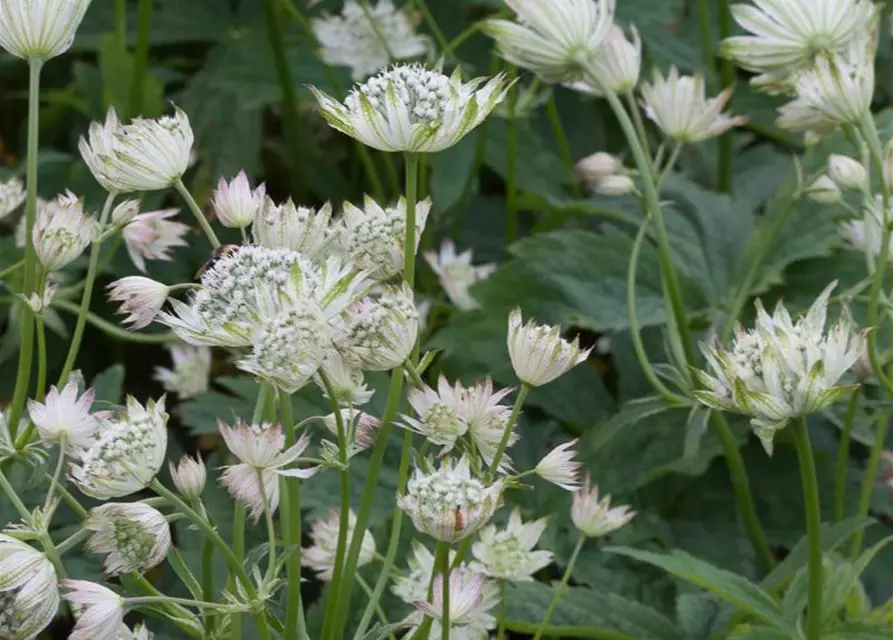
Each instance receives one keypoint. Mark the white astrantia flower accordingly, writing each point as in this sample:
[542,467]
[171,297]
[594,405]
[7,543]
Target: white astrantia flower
[235,203]
[321,555]
[262,458]
[189,476]
[29,593]
[62,230]
[380,332]
[559,467]
[64,418]
[132,536]
[679,106]
[616,65]
[287,226]
[487,419]
[866,234]
[145,155]
[457,274]
[151,236]
[40,29]
[781,369]
[102,610]
[538,352]
[593,515]
[449,504]
[553,38]
[467,600]
[414,109]
[347,382]
[12,195]
[191,371]
[141,299]
[824,191]
[367,37]
[413,585]
[786,36]
[508,554]
[847,173]
[374,236]
[437,412]
[127,454]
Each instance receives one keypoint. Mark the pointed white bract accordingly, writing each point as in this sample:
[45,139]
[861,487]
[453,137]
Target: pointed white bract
[380,332]
[410,108]
[467,600]
[539,354]
[132,536]
[616,66]
[40,29]
[679,106]
[457,274]
[554,39]
[262,459]
[191,372]
[346,381]
[62,230]
[781,369]
[145,155]
[189,476]
[287,226]
[437,414]
[127,454]
[322,555]
[141,299]
[367,37]
[12,195]
[509,554]
[449,504]
[101,610]
[866,234]
[64,418]
[29,593]
[487,419]
[559,467]
[151,236]
[593,515]
[361,428]
[235,203]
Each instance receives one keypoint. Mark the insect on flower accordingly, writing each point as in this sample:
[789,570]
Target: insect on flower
[219,252]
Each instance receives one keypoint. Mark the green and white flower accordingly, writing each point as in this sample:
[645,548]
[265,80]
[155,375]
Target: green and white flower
[29,593]
[235,204]
[191,372]
[62,230]
[40,29]
[286,226]
[132,536]
[593,515]
[12,195]
[101,614]
[321,556]
[509,554]
[457,274]
[189,477]
[538,352]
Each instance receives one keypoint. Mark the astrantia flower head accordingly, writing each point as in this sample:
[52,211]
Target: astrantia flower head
[593,514]
[102,610]
[410,108]
[345,380]
[61,231]
[509,553]
[63,418]
[559,467]
[466,598]
[132,536]
[352,40]
[141,299]
[449,504]
[616,65]
[553,38]
[381,331]
[189,476]
[29,594]
[12,195]
[322,554]
[866,234]
[457,274]
[127,455]
[413,584]
[191,371]
[259,449]
[145,155]
[679,106]
[286,226]
[374,236]
[40,29]
[786,36]
[235,203]
[782,369]
[487,419]
[539,354]
[151,236]
[437,414]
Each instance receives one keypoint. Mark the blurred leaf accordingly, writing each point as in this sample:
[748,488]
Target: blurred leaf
[116,70]
[108,386]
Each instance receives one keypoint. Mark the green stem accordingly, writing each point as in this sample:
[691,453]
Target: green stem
[813,528]
[56,475]
[870,478]
[511,162]
[114,330]
[373,599]
[724,175]
[460,39]
[500,630]
[15,266]
[441,40]
[163,599]
[559,592]
[705,31]
[207,569]
[86,296]
[564,147]
[843,456]
[295,625]
[638,123]
[271,528]
[141,56]
[409,245]
[443,563]
[197,212]
[26,351]
[509,426]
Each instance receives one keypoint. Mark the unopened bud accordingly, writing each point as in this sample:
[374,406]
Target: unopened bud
[824,191]
[617,185]
[189,477]
[847,173]
[125,212]
[598,165]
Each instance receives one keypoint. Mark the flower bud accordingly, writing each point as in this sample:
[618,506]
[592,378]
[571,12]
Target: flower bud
[141,298]
[61,231]
[617,185]
[824,191]
[39,30]
[847,173]
[189,476]
[382,331]
[125,212]
[235,203]
[592,514]
[598,165]
[538,352]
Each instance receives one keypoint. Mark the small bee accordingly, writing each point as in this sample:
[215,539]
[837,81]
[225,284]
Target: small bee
[459,520]
[219,252]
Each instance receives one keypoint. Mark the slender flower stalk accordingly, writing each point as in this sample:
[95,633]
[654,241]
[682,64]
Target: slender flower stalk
[559,592]
[813,529]
[197,212]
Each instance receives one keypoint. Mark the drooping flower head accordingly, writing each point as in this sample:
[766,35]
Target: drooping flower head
[189,477]
[141,299]
[127,455]
[616,66]
[437,414]
[346,381]
[380,331]
[781,369]
[191,371]
[29,593]
[12,195]
[559,467]
[102,610]
[593,515]
[368,37]
[62,230]
[487,419]
[40,29]
[322,554]
[235,203]
[457,274]
[132,536]
[151,236]
[410,108]
[64,418]
[509,554]
[539,354]
[286,226]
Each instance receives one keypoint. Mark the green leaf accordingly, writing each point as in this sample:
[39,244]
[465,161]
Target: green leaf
[700,615]
[844,578]
[630,414]
[108,385]
[116,71]
[731,587]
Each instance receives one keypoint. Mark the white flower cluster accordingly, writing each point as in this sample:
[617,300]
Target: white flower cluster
[457,274]
[321,556]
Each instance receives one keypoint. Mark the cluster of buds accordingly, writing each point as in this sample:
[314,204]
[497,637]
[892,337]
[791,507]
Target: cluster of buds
[606,175]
